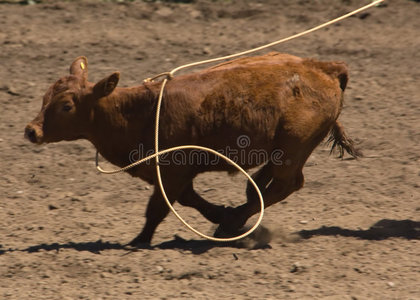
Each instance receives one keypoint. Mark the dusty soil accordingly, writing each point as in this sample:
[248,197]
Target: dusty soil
[351,233]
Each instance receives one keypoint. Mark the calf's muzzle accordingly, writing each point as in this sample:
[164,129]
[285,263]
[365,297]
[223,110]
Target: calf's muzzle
[33,134]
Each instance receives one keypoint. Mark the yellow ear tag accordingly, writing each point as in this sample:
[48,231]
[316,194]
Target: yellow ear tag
[82,65]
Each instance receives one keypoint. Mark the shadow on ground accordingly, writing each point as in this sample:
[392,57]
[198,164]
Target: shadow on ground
[381,230]
[195,246]
[94,247]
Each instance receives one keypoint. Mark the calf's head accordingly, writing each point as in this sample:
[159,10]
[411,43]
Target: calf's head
[67,106]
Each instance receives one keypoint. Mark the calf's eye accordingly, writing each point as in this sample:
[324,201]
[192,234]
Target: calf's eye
[67,107]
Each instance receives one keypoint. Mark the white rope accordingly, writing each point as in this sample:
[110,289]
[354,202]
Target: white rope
[158,153]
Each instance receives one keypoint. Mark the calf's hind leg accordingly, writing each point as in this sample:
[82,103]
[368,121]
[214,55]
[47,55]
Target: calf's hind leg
[262,178]
[278,189]
[217,213]
[232,219]
[189,197]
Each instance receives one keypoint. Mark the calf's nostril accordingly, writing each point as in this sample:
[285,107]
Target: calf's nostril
[30,134]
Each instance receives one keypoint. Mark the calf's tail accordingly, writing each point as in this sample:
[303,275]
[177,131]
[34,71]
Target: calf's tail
[342,142]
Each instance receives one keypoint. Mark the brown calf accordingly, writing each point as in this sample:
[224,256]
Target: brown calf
[281,106]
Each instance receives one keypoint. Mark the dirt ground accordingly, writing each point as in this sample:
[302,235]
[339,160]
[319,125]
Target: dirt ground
[351,233]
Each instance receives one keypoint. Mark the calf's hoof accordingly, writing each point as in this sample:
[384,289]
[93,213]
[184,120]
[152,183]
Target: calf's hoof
[258,239]
[232,221]
[139,243]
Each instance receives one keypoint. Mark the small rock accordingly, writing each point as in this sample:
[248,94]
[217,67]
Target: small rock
[12,91]
[297,268]
[160,269]
[207,51]
[390,284]
[9,89]
[51,207]
[303,222]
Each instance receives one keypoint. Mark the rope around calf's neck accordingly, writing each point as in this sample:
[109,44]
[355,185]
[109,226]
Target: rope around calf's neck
[157,153]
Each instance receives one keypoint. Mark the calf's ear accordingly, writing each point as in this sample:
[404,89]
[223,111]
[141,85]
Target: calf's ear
[107,85]
[79,68]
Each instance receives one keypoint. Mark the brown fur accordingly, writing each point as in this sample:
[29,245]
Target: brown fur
[278,101]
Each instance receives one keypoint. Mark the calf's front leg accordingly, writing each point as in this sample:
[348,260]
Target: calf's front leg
[156,211]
